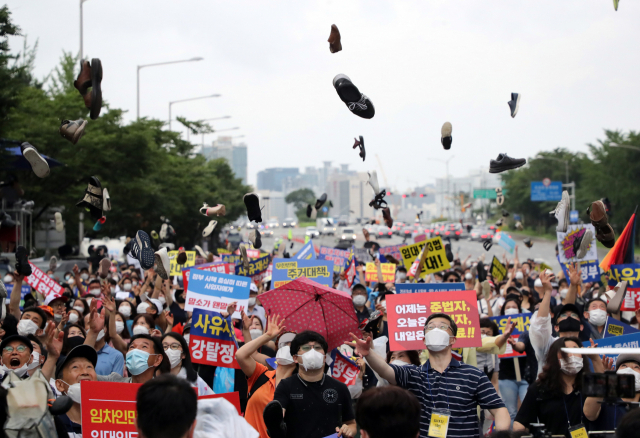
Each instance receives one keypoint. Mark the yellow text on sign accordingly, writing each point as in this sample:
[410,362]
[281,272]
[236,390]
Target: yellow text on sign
[388,272]
[435,261]
[176,269]
[439,425]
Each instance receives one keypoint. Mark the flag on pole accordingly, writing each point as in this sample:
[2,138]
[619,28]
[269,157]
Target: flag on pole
[622,251]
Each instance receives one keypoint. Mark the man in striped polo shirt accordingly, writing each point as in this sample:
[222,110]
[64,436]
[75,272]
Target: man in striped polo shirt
[449,391]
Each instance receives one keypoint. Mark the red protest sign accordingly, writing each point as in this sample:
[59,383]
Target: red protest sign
[109,409]
[231,397]
[42,283]
[344,370]
[223,268]
[211,341]
[407,314]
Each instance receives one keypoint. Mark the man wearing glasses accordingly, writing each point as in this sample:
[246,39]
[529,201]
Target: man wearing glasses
[310,404]
[16,356]
[449,391]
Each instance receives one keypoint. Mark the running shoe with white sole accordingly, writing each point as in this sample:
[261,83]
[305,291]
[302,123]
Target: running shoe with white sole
[38,163]
[514,103]
[582,243]
[562,213]
[163,265]
[209,228]
[145,253]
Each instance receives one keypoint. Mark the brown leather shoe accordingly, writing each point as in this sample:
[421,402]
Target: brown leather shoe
[334,39]
[606,235]
[386,214]
[83,82]
[365,233]
[96,89]
[598,214]
[73,130]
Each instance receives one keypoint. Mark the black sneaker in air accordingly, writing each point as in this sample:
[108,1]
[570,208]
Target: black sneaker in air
[252,203]
[320,201]
[274,420]
[22,261]
[445,135]
[514,103]
[505,162]
[358,103]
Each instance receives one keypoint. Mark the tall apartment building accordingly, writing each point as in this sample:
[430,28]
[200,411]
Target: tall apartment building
[235,154]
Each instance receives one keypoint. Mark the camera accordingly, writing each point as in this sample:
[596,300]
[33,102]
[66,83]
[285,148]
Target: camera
[609,385]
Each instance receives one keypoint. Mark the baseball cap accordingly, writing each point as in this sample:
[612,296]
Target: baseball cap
[627,357]
[253,287]
[82,350]
[52,297]
[22,339]
[568,308]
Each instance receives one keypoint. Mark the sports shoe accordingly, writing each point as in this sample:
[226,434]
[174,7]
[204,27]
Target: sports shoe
[445,135]
[200,251]
[38,163]
[358,103]
[22,262]
[245,258]
[73,130]
[6,221]
[505,162]
[386,214]
[448,252]
[562,213]
[527,242]
[582,243]
[163,265]
[254,238]
[514,103]
[505,213]
[163,231]
[499,222]
[93,200]
[311,212]
[57,217]
[105,265]
[499,196]
[99,223]
[217,210]
[360,144]
[615,302]
[274,420]
[606,236]
[252,203]
[320,201]
[141,250]
[334,39]
[209,228]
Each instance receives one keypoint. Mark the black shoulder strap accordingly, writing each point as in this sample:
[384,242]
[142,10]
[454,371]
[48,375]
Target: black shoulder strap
[261,380]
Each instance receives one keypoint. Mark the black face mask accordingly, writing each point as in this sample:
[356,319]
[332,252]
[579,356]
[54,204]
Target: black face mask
[180,299]
[569,325]
[74,342]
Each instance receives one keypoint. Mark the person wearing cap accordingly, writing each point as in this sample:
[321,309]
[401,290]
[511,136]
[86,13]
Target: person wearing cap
[607,416]
[254,309]
[16,356]
[77,366]
[57,304]
[568,323]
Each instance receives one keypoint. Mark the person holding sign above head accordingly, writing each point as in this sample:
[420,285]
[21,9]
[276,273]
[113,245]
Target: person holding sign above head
[449,391]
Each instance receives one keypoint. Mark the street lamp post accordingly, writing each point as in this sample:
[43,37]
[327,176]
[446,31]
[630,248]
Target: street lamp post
[446,162]
[188,100]
[152,65]
[219,130]
[81,51]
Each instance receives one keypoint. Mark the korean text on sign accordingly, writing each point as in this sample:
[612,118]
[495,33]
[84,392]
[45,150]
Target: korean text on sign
[286,270]
[631,274]
[176,269]
[589,271]
[412,288]
[42,283]
[214,291]
[435,261]
[108,409]
[498,270]
[223,268]
[343,369]
[393,251]
[521,322]
[256,266]
[407,314]
[339,257]
[211,341]
[388,272]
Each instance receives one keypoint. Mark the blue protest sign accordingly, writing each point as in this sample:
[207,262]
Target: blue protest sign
[231,258]
[552,191]
[286,270]
[573,216]
[521,322]
[214,291]
[211,341]
[307,252]
[256,266]
[412,288]
[505,241]
[589,270]
[339,257]
[25,289]
[617,328]
[626,341]
[394,251]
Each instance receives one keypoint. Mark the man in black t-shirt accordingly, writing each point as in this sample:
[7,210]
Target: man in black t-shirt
[310,404]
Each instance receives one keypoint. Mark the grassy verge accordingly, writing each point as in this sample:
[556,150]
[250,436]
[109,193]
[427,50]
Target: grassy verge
[306,224]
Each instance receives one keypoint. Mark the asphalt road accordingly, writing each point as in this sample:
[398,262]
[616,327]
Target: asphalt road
[542,248]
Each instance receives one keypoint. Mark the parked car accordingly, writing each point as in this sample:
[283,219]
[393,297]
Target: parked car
[481,234]
[312,232]
[289,222]
[348,234]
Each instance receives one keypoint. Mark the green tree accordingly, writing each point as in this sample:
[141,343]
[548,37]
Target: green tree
[300,199]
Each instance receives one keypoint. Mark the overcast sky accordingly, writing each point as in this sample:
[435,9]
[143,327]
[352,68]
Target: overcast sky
[421,63]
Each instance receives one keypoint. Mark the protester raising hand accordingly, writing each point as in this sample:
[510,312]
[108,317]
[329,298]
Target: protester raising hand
[53,343]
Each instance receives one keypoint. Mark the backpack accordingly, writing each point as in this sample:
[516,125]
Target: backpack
[27,406]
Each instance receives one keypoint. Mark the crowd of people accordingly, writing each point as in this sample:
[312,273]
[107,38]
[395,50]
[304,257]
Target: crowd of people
[131,326]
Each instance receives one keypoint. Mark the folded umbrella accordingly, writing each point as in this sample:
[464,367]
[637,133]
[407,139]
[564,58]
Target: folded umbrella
[307,305]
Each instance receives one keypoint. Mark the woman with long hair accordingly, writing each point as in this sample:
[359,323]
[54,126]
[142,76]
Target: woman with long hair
[556,398]
[177,350]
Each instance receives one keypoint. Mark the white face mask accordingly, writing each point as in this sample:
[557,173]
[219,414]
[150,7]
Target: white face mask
[519,276]
[73,391]
[73,318]
[95,291]
[283,356]
[467,276]
[252,301]
[174,356]
[36,361]
[537,283]
[572,365]
[57,317]
[100,335]
[72,281]
[401,276]
[79,309]
[186,338]
[7,279]
[84,276]
[125,310]
[399,363]
[563,293]
[312,360]
[142,308]
[483,335]
[19,371]
[162,299]
[119,327]
[113,289]
[140,330]
[255,333]
[597,317]
[511,311]
[27,327]
[384,305]
[633,373]
[134,283]
[436,340]
[359,300]
[126,287]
